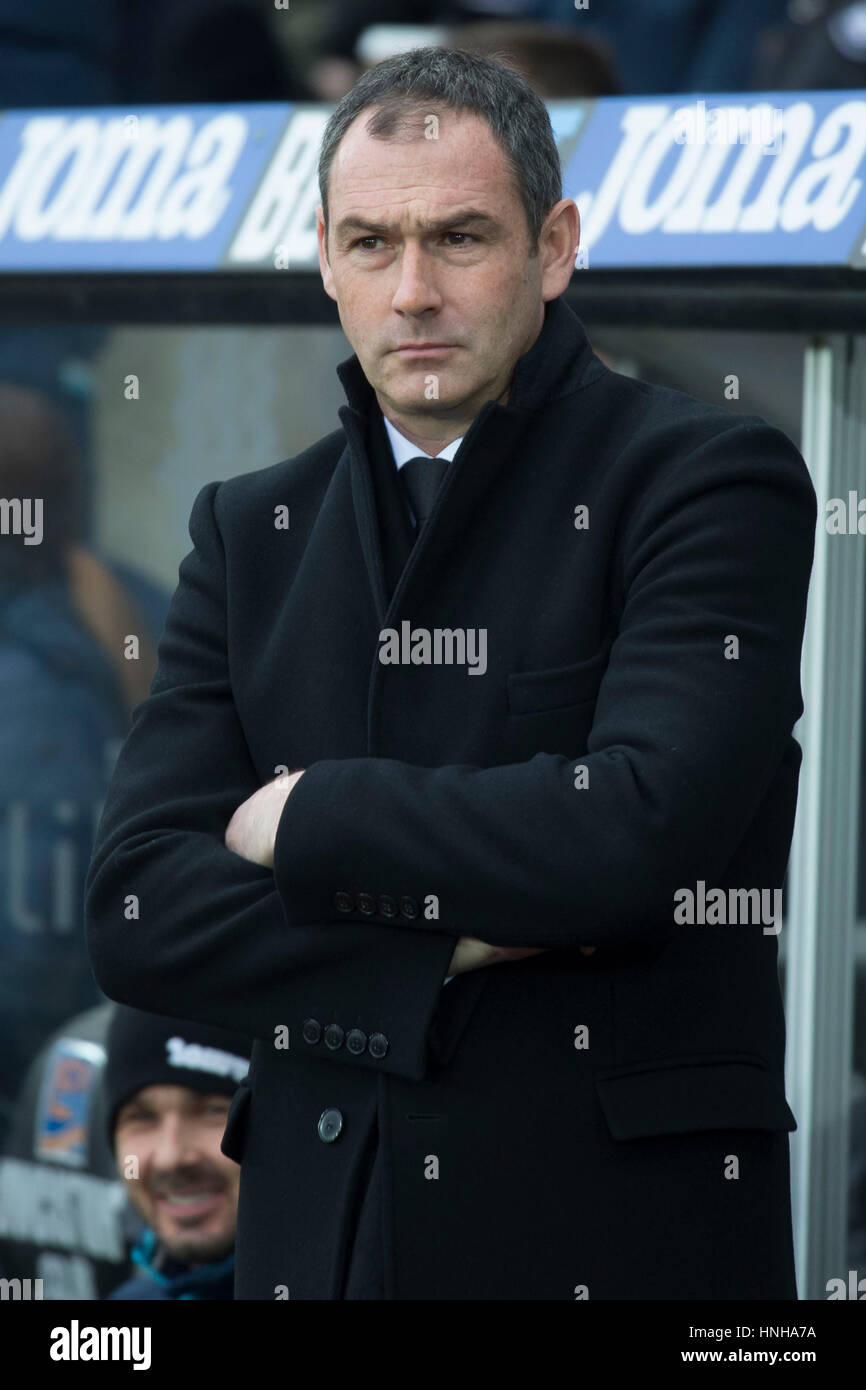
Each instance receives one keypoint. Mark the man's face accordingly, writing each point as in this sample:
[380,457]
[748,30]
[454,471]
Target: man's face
[407,265]
[186,1189]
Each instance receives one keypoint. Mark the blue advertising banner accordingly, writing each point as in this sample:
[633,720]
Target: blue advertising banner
[769,179]
[756,179]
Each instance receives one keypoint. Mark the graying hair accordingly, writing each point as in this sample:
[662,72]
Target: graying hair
[405,86]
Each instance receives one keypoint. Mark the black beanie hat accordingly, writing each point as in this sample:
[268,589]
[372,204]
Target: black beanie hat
[149,1050]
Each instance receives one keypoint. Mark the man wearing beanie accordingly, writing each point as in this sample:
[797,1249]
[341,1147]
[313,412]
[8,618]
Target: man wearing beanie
[169,1084]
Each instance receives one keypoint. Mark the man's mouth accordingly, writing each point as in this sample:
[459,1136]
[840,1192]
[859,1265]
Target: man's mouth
[424,349]
[189,1203]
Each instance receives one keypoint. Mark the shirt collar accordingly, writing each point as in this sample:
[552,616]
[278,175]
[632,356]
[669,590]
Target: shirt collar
[403,448]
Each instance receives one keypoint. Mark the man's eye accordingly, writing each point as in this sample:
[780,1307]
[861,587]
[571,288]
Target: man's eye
[467,237]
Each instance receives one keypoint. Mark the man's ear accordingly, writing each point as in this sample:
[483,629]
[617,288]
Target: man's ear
[324,267]
[560,237]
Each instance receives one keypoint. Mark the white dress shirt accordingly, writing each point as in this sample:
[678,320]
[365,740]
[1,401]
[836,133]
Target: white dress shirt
[403,449]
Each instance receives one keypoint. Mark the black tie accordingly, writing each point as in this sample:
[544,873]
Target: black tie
[421,479]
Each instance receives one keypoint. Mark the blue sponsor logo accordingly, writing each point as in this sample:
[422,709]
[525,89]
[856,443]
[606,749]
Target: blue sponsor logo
[776,179]
[746,179]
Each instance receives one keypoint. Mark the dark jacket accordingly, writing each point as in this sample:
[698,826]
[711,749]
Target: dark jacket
[523,1158]
[166,1279]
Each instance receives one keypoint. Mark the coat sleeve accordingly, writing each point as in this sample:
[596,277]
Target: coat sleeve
[687,736]
[177,924]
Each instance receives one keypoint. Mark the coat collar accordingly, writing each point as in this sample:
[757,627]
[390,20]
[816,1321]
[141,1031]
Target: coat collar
[553,366]
[211,1281]
[559,362]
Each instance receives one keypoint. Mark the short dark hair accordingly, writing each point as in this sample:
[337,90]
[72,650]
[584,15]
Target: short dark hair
[404,86]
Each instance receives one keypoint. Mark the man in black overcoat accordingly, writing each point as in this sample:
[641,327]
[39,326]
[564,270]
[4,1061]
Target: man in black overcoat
[466,783]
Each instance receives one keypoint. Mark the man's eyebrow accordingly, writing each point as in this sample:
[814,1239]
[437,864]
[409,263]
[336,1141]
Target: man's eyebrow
[347,225]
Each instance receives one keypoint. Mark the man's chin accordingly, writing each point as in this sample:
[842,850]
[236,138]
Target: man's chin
[198,1250]
[410,393]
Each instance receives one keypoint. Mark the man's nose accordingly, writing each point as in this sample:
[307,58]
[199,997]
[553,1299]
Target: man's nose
[416,290]
[175,1145]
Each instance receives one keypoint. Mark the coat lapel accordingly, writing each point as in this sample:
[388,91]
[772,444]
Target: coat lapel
[397,533]
[364,503]
[559,361]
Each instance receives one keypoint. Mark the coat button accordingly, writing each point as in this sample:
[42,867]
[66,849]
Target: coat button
[387,906]
[356,1041]
[312,1030]
[378,1045]
[366,904]
[329,1126]
[333,1036]
[344,902]
[409,907]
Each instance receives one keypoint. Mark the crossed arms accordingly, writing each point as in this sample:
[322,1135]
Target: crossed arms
[183,921]
[252,832]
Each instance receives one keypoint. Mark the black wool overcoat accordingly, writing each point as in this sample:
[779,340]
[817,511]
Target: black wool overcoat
[567,1126]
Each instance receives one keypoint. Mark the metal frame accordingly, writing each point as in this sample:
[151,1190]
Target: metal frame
[790,299]
[822,914]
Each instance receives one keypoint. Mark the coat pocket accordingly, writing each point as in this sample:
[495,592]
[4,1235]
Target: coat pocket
[234,1137]
[556,687]
[681,1095]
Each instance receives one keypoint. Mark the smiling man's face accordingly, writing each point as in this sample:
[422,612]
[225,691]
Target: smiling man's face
[428,244]
[186,1189]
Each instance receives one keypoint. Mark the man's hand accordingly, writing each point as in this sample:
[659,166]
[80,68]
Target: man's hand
[472,954]
[252,830]
[251,833]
